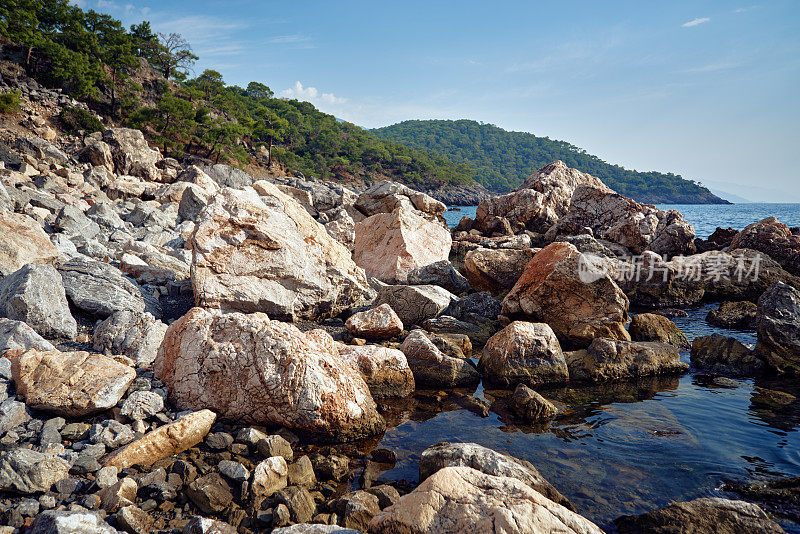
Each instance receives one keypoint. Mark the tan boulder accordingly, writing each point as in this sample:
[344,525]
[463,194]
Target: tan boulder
[579,306]
[165,441]
[71,384]
[268,254]
[773,238]
[612,359]
[385,370]
[250,369]
[269,476]
[461,499]
[380,322]
[496,270]
[23,241]
[391,245]
[385,197]
[655,327]
[527,353]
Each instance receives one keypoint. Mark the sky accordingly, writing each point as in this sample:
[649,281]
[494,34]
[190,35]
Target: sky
[706,89]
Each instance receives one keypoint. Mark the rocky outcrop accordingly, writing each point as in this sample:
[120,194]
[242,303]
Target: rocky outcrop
[385,370]
[23,242]
[251,369]
[267,254]
[388,246]
[655,327]
[773,238]
[163,442]
[496,270]
[386,197]
[434,368]
[741,315]
[579,305]
[523,352]
[132,334]
[415,304]
[709,514]
[624,221]
[131,153]
[779,328]
[461,499]
[611,359]
[726,355]
[541,200]
[73,384]
[487,461]
[380,322]
[35,294]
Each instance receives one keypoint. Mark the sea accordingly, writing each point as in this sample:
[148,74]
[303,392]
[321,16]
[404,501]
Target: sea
[629,448]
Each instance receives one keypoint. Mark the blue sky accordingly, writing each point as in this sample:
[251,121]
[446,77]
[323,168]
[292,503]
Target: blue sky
[707,89]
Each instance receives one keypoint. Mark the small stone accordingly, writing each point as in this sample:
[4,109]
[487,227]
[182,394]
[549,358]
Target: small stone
[250,436]
[531,406]
[275,445]
[301,473]
[27,471]
[270,476]
[210,493]
[107,476]
[134,520]
[111,433]
[219,441]
[142,404]
[123,493]
[234,470]
[332,467]
[299,502]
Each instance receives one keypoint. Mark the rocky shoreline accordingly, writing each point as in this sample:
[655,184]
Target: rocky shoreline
[188,349]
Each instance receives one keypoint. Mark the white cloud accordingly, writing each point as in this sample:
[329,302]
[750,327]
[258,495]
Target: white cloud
[713,67]
[744,9]
[311,94]
[695,22]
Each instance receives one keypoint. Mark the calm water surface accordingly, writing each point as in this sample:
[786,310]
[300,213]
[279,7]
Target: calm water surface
[629,448]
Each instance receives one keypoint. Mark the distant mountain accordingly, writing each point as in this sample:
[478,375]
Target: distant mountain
[503,160]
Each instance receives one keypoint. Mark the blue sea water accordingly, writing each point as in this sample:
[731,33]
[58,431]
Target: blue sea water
[705,217]
[633,447]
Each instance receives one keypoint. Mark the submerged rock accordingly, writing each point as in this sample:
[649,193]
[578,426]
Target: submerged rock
[248,368]
[611,359]
[526,353]
[461,499]
[734,315]
[726,355]
[721,516]
[531,406]
[579,304]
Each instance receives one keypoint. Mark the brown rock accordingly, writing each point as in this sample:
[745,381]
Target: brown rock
[654,327]
[253,370]
[734,315]
[380,322]
[531,406]
[773,238]
[431,367]
[495,270]
[72,384]
[165,441]
[578,305]
[726,355]
[611,359]
[526,353]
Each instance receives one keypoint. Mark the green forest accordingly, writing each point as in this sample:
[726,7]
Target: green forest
[93,57]
[503,160]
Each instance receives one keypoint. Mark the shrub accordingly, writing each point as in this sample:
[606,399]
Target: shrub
[75,119]
[9,102]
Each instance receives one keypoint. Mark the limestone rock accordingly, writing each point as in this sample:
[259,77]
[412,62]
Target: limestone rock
[654,327]
[725,355]
[267,254]
[70,522]
[710,514]
[526,353]
[27,471]
[779,327]
[132,334]
[251,369]
[442,274]
[270,476]
[386,371]
[23,242]
[203,525]
[165,441]
[741,315]
[72,384]
[487,461]
[385,197]
[388,246]
[343,229]
[461,499]
[431,367]
[578,305]
[495,270]
[380,322]
[131,153]
[99,289]
[415,304]
[98,153]
[612,359]
[35,295]
[18,336]
[773,238]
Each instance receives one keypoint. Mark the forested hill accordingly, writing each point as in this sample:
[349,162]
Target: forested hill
[503,160]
